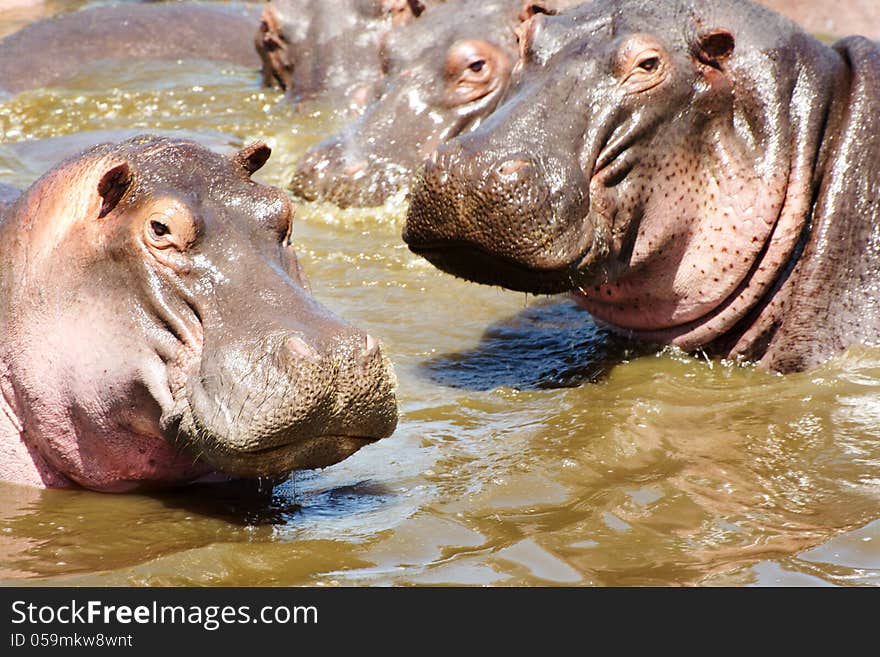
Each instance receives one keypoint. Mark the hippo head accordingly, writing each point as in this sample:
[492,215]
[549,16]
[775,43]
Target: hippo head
[652,155]
[444,74]
[332,46]
[157,326]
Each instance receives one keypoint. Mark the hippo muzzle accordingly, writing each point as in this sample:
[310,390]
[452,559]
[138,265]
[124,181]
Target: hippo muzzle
[340,171]
[490,215]
[282,402]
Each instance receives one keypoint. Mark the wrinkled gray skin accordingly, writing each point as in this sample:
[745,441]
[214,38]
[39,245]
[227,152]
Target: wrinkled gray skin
[155,327]
[331,48]
[429,95]
[703,174]
[49,51]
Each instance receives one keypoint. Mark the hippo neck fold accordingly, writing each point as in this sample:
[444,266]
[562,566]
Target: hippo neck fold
[808,111]
[830,299]
[20,463]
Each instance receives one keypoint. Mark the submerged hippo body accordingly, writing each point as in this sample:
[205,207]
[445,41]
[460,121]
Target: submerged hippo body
[49,51]
[332,47]
[155,327]
[445,73]
[702,174]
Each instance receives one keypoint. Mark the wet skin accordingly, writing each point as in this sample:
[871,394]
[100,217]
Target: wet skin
[818,17]
[155,328]
[718,475]
[49,51]
[331,48]
[702,175]
[445,73]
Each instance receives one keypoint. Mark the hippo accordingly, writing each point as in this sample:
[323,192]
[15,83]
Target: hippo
[156,328]
[445,73]
[52,50]
[819,17]
[331,48]
[699,174]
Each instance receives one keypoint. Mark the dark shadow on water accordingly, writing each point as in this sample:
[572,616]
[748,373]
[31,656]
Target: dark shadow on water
[254,504]
[551,344]
[359,498]
[242,503]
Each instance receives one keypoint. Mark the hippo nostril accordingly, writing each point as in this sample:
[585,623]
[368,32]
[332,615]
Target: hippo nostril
[355,168]
[361,96]
[300,348]
[371,347]
[512,167]
[433,170]
[430,164]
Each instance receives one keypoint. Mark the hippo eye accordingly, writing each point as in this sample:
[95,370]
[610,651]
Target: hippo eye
[170,227]
[474,69]
[650,65]
[641,64]
[159,229]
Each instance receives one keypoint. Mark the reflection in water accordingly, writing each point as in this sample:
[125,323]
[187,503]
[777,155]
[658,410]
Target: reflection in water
[666,472]
[548,345]
[538,451]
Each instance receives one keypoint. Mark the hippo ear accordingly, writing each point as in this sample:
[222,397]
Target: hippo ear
[112,187]
[530,8]
[416,7]
[252,158]
[715,46]
[403,12]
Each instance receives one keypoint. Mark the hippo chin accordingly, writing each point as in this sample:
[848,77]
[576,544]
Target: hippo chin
[155,328]
[701,174]
[444,73]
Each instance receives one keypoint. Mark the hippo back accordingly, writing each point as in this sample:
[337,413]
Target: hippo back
[52,50]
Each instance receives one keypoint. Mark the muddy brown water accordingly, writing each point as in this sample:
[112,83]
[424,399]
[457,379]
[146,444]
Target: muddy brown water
[533,449]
